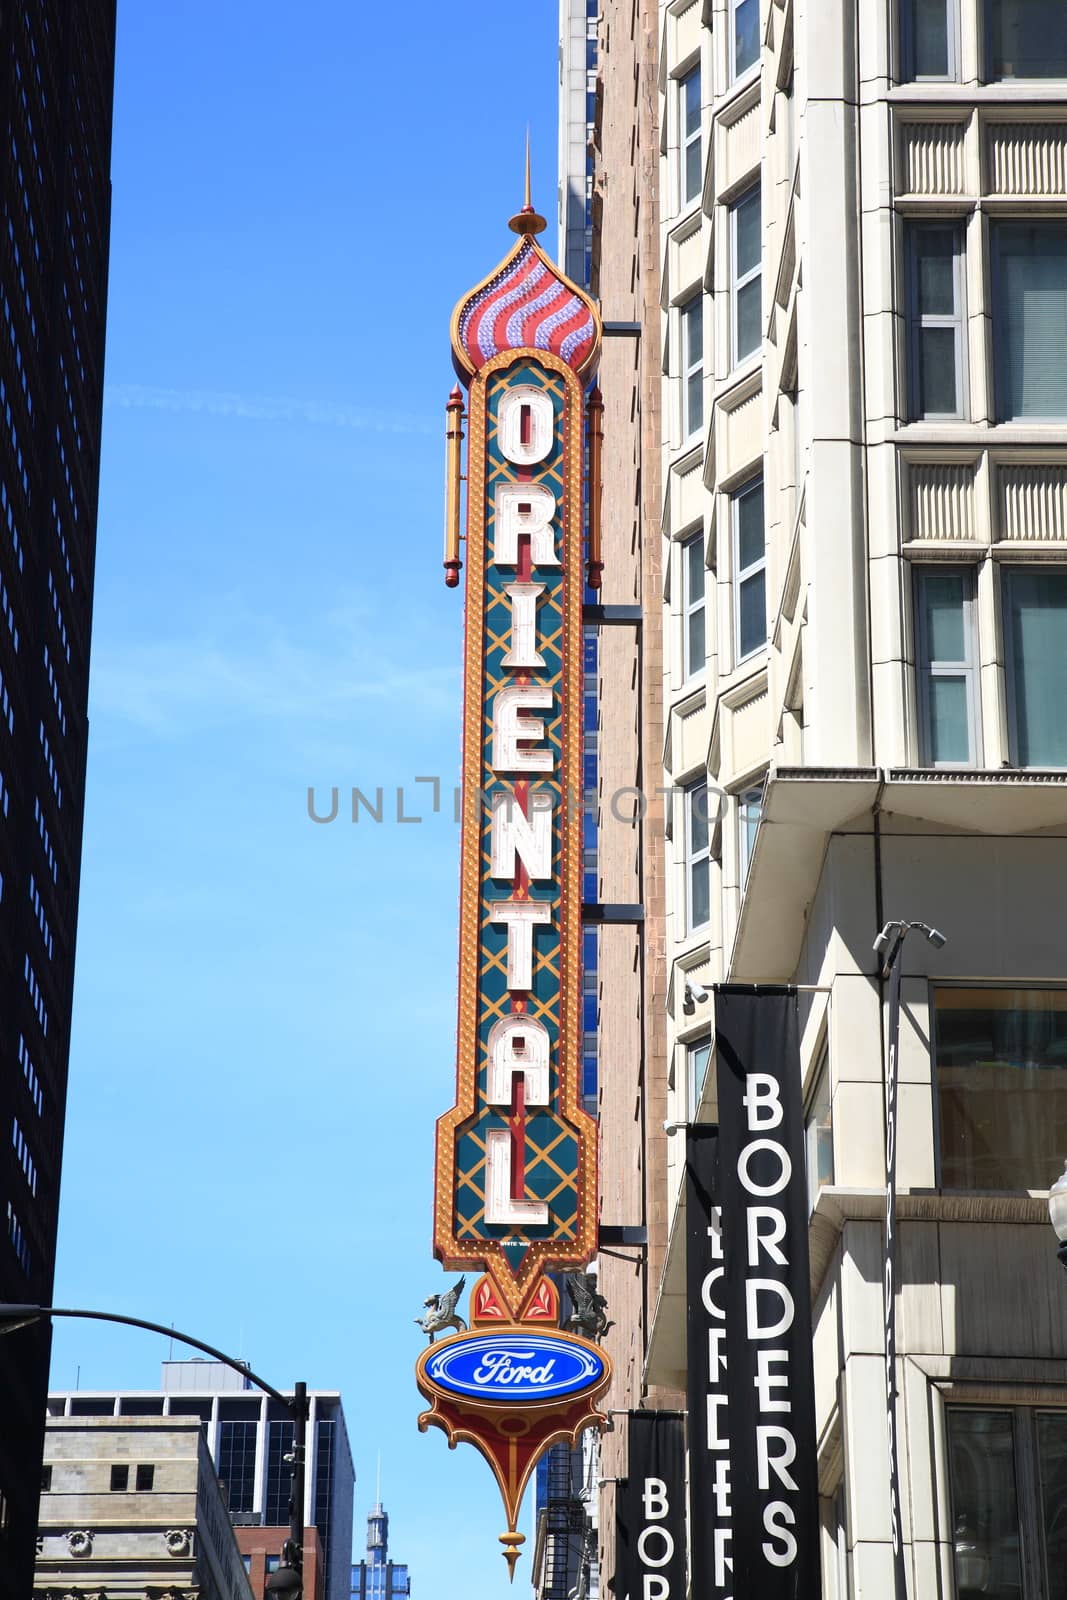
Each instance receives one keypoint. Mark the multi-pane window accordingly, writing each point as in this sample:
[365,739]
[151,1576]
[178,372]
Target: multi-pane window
[1035,648]
[946,665]
[746,291]
[1030,317]
[1008,1482]
[697,857]
[1001,1063]
[236,1462]
[689,131]
[749,807]
[936,320]
[818,1134]
[691,330]
[1027,38]
[279,1470]
[750,570]
[928,38]
[697,1056]
[694,632]
[744,36]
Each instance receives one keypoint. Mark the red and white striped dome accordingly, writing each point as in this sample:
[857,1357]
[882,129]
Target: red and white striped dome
[527,304]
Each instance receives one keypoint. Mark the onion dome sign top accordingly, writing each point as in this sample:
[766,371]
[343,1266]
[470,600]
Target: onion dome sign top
[527,304]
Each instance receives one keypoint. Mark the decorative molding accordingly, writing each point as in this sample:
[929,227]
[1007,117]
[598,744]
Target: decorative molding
[1032,502]
[80,1542]
[942,500]
[179,1541]
[932,157]
[1027,158]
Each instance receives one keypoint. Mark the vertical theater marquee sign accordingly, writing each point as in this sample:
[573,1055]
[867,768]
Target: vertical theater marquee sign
[515,1193]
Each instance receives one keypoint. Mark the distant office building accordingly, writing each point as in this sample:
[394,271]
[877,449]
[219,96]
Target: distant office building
[378,1578]
[56,73]
[131,1506]
[249,1436]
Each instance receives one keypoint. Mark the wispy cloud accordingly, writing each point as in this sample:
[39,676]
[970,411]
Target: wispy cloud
[167,687]
[262,408]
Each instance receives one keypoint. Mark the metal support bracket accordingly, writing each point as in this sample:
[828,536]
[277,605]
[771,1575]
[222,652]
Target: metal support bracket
[595,913]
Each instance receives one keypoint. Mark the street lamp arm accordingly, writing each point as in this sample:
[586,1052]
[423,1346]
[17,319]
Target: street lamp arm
[16,1316]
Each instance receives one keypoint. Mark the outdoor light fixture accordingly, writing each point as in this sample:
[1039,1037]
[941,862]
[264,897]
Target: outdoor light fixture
[695,995]
[1057,1210]
[890,941]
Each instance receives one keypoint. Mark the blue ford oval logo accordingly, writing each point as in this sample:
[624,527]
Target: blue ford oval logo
[510,1366]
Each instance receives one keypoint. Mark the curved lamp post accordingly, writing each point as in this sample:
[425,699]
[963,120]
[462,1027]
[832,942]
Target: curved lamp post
[286,1582]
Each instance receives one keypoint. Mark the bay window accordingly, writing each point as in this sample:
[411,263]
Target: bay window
[697,1056]
[750,570]
[746,293]
[694,612]
[744,37]
[692,166]
[691,329]
[697,858]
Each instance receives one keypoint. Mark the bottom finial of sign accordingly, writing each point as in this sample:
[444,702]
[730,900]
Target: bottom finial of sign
[511,1393]
[511,1542]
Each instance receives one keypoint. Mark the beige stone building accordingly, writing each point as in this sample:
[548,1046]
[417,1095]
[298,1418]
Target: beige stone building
[131,1509]
[839,493]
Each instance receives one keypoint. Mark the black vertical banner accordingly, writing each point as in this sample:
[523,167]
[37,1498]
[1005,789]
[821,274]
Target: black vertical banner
[655,1506]
[710,1553]
[769,1376]
[623,1585]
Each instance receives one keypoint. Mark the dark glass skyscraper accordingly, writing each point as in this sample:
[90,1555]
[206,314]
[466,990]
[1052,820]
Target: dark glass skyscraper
[56,80]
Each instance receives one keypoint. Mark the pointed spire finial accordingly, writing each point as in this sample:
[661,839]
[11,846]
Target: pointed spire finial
[527,220]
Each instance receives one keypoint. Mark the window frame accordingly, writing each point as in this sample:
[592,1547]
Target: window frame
[955,986]
[687,140]
[739,282]
[747,574]
[926,669]
[1024,1417]
[1010,682]
[819,1078]
[689,607]
[996,315]
[753,67]
[746,840]
[702,1041]
[693,859]
[917,322]
[690,369]
[985,31]
[908,72]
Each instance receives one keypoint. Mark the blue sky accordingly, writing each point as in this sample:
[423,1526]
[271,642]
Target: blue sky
[265,1008]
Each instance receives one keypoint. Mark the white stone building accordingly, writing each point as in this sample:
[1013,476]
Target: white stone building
[863,221]
[131,1509]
